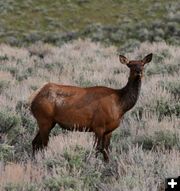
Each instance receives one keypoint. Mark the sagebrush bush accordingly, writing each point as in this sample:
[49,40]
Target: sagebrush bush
[164,108]
[4,58]
[39,49]
[3,85]
[145,141]
[6,152]
[59,182]
[163,139]
[20,187]
[144,145]
[74,159]
[27,120]
[12,187]
[9,121]
[172,86]
[155,23]
[166,139]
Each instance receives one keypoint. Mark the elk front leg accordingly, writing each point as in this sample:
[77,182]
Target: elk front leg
[98,145]
[102,142]
[98,140]
[105,146]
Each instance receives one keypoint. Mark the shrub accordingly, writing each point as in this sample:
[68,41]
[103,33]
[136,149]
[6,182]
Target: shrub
[137,113]
[159,67]
[120,143]
[24,74]
[27,120]
[50,163]
[121,133]
[3,85]
[12,187]
[52,184]
[4,58]
[8,121]
[145,141]
[34,87]
[159,32]
[171,28]
[144,34]
[75,159]
[130,45]
[23,136]
[20,187]
[83,82]
[172,87]
[10,124]
[32,37]
[57,130]
[13,71]
[91,177]
[60,182]
[49,66]
[6,152]
[158,58]
[165,108]
[13,41]
[166,139]
[40,50]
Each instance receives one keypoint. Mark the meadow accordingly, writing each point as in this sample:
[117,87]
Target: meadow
[77,42]
[144,149]
[119,22]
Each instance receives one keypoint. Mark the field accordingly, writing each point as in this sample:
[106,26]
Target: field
[119,22]
[77,42]
[144,149]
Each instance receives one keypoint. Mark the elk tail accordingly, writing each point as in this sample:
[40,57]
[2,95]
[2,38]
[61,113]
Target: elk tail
[33,96]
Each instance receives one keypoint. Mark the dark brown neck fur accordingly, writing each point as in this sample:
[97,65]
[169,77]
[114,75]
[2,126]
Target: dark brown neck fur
[130,93]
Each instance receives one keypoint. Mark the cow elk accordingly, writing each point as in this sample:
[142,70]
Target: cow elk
[94,109]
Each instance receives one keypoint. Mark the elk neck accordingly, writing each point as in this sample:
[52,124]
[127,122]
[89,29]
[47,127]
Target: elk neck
[129,94]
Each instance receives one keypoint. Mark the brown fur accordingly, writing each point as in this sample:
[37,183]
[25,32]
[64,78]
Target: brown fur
[93,109]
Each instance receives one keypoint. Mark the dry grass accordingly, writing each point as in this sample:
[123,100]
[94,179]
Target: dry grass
[145,149]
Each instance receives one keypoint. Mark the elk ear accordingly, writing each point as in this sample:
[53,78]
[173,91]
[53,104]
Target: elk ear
[123,59]
[147,58]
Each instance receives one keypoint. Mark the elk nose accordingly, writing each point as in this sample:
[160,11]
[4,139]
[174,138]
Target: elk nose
[139,72]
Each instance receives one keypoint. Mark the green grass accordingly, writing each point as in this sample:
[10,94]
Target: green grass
[20,19]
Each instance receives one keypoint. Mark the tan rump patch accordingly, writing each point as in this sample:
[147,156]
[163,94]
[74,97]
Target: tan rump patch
[34,94]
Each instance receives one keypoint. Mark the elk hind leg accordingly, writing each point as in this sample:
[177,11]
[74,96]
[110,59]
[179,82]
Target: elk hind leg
[42,137]
[36,143]
[45,129]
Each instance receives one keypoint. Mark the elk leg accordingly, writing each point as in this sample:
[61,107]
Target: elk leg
[45,129]
[36,143]
[105,146]
[98,140]
[42,137]
[107,141]
[98,145]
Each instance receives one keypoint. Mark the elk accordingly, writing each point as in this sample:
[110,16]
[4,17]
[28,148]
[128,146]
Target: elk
[94,109]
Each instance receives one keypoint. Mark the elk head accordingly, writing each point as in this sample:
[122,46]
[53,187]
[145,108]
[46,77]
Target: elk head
[136,66]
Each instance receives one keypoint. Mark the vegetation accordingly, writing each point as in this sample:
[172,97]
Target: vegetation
[143,147]
[77,42]
[121,22]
